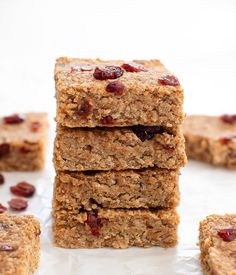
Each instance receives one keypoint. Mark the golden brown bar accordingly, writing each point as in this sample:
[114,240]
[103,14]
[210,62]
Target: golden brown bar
[137,92]
[19,244]
[116,189]
[23,142]
[217,241]
[116,228]
[117,148]
[211,139]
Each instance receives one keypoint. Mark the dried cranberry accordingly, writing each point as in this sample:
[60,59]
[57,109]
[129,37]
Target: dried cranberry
[80,69]
[108,72]
[23,189]
[94,223]
[115,87]
[146,132]
[170,80]
[90,172]
[34,126]
[225,140]
[228,119]
[2,208]
[14,119]
[4,149]
[86,108]
[24,150]
[169,147]
[18,204]
[227,234]
[107,120]
[133,68]
[2,179]
[6,247]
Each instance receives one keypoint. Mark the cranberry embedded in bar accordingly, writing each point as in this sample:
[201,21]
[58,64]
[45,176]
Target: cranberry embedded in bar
[107,72]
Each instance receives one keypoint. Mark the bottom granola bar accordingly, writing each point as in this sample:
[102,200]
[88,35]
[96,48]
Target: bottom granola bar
[117,228]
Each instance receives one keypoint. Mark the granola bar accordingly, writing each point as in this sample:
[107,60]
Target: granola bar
[19,244]
[116,189]
[116,228]
[23,141]
[218,244]
[117,148]
[94,93]
[211,139]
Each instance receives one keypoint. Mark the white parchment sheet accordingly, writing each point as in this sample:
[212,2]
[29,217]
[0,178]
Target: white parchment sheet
[204,190]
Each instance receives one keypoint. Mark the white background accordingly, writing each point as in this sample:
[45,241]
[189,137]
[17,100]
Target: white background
[194,39]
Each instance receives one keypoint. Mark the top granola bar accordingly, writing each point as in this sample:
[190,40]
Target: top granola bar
[94,93]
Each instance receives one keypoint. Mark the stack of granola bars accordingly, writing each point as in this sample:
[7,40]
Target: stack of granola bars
[118,151]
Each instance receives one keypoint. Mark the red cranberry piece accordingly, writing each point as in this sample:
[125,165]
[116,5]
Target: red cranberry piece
[74,69]
[94,223]
[225,140]
[80,69]
[170,80]
[228,119]
[2,179]
[107,120]
[227,234]
[23,189]
[2,208]
[14,119]
[169,147]
[133,68]
[24,150]
[86,108]
[34,126]
[6,247]
[146,132]
[108,72]
[90,172]
[18,204]
[4,149]
[115,87]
